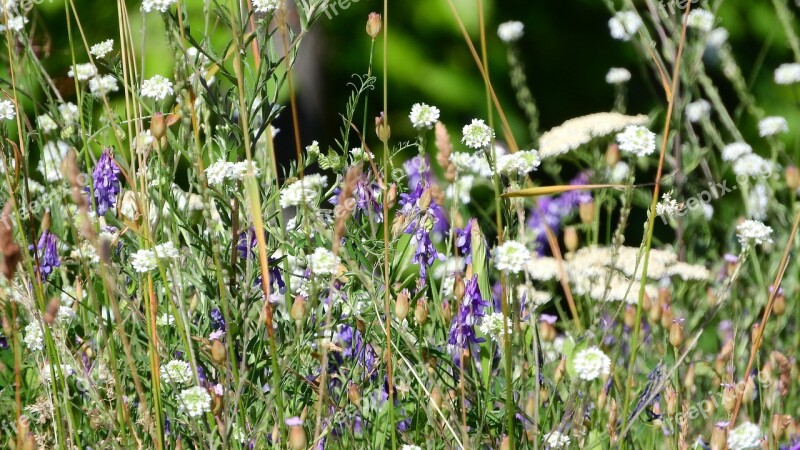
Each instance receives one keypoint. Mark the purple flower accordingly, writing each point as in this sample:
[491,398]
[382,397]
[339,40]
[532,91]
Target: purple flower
[294,421]
[217,319]
[105,179]
[355,348]
[425,253]
[418,169]
[464,241]
[47,254]
[551,211]
[462,331]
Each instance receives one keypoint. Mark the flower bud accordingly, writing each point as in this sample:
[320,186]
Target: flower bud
[729,398]
[654,314]
[447,312]
[436,397]
[425,200]
[571,239]
[719,437]
[666,317]
[612,155]
[382,128]
[688,379]
[647,302]
[793,178]
[391,195]
[630,316]
[712,297]
[218,352]
[51,313]
[374,25]
[353,393]
[459,289]
[530,406]
[401,305]
[297,438]
[298,312]
[779,305]
[749,392]
[602,398]
[158,126]
[505,443]
[421,311]
[676,333]
[779,425]
[587,212]
[560,370]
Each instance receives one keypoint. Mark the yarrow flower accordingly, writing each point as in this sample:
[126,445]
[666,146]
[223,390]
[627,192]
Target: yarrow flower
[194,401]
[698,110]
[787,74]
[511,31]
[519,163]
[144,261]
[512,257]
[492,326]
[223,170]
[158,87]
[176,372]
[266,6]
[105,181]
[303,192]
[83,72]
[556,439]
[746,436]
[423,116]
[323,262]
[700,19]
[101,49]
[624,25]
[754,232]
[47,254]
[468,163]
[34,337]
[637,140]
[618,75]
[101,86]
[591,363]
[477,135]
[668,206]
[770,126]
[410,447]
[7,110]
[157,5]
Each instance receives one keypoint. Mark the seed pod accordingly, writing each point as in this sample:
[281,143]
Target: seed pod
[391,195]
[793,178]
[298,312]
[218,352]
[353,394]
[671,397]
[571,239]
[421,311]
[401,305]
[158,126]
[676,333]
[630,316]
[587,212]
[719,437]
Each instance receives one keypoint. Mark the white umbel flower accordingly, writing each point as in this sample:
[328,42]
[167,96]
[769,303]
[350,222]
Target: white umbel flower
[157,5]
[237,171]
[266,6]
[157,87]
[34,337]
[752,165]
[194,402]
[701,19]
[323,262]
[787,74]
[101,86]
[492,326]
[176,372]
[770,126]
[83,72]
[69,113]
[754,232]
[166,250]
[624,25]
[591,363]
[757,202]
[732,152]
[305,191]
[313,149]
[477,135]
[637,140]
[556,440]
[668,206]
[7,110]
[698,110]
[144,261]
[423,116]
[618,75]
[746,436]
[619,172]
[46,123]
[519,163]
[511,31]
[512,257]
[101,49]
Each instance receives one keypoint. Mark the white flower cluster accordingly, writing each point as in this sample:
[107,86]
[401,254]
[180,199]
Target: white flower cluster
[176,372]
[166,250]
[752,165]
[145,260]
[701,19]
[519,163]
[7,110]
[46,123]
[732,152]
[53,154]
[512,256]
[591,363]
[410,447]
[787,74]
[303,192]
[223,170]
[101,86]
[698,110]
[266,6]
[423,116]
[556,439]
[468,163]
[194,401]
[69,113]
[581,130]
[323,262]
[101,49]
[511,31]
[34,337]
[461,189]
[754,232]
[157,5]
[668,206]
[637,140]
[618,75]
[492,326]
[477,135]
[770,126]
[717,37]
[83,72]
[746,436]
[624,25]
[158,88]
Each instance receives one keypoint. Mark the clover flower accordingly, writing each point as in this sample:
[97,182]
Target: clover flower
[323,262]
[101,49]
[754,232]
[7,110]
[462,330]
[100,86]
[511,31]
[591,363]
[83,72]
[47,254]
[787,74]
[618,75]
[492,326]
[477,135]
[637,140]
[34,337]
[266,6]
[512,257]
[770,126]
[176,372]
[624,25]
[194,402]
[700,19]
[157,5]
[698,110]
[144,261]
[423,116]
[746,436]
[105,180]
[556,440]
[158,87]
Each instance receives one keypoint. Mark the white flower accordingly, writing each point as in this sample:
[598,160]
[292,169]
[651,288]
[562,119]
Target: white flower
[624,25]
[101,49]
[581,130]
[787,73]
[165,320]
[770,126]
[83,71]
[265,6]
[746,436]
[143,141]
[7,110]
[156,5]
[69,113]
[313,149]
[519,163]
[176,372]
[492,326]
[752,165]
[86,252]
[46,123]
[101,86]
[754,232]
[460,189]
[53,154]
[717,37]
[15,23]
[358,154]
[732,152]
[410,447]
[511,31]
[323,262]
[556,439]
[668,206]
[216,172]
[512,256]
[166,250]
[194,401]
[757,202]
[157,87]
[698,110]
[303,192]
[144,261]
[700,19]
[591,363]
[468,163]
[618,75]
[237,171]
[34,337]
[637,140]
[423,116]
[619,172]
[477,135]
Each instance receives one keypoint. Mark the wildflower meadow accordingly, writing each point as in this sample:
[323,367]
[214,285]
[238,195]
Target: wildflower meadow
[189,262]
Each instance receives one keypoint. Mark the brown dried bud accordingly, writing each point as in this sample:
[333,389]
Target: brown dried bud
[654,314]
[298,312]
[630,316]
[297,438]
[571,239]
[374,25]
[793,178]
[560,370]
[382,128]
[676,333]
[749,392]
[218,352]
[530,406]
[712,297]
[666,317]
[401,305]
[158,126]
[436,397]
[353,393]
[421,311]
[688,379]
[447,313]
[671,397]
[779,305]
[505,443]
[425,200]
[612,155]
[459,289]
[587,212]
[398,225]
[391,195]
[729,398]
[719,437]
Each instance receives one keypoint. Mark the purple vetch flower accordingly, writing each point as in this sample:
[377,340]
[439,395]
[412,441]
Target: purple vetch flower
[462,331]
[551,211]
[355,348]
[548,318]
[247,243]
[217,319]
[425,253]
[418,170]
[464,241]
[367,196]
[105,181]
[47,254]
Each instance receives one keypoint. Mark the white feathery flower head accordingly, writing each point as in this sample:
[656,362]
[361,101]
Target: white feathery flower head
[717,37]
[266,6]
[165,320]
[752,165]
[556,440]
[591,363]
[511,31]
[637,140]
[34,337]
[787,74]
[477,135]
[144,261]
[216,172]
[305,191]
[53,154]
[698,110]
[618,75]
[101,86]
[770,126]
[101,49]
[158,87]
[701,19]
[492,326]
[543,269]
[166,250]
[519,163]
[423,116]
[732,152]
[86,252]
[624,25]
[69,112]
[46,123]
[83,71]
[746,436]
[512,257]
[688,272]
[194,402]
[157,5]
[358,154]
[579,131]
[323,262]
[668,206]
[7,110]
[176,372]
[754,232]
